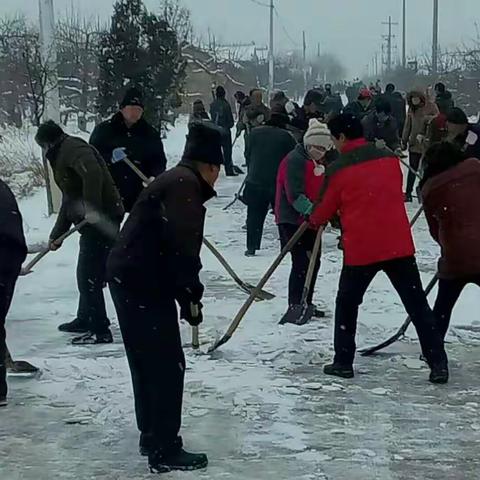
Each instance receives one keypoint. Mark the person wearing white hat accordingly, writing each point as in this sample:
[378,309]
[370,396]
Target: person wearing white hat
[299,181]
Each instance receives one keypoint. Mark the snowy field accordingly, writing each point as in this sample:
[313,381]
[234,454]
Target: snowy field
[261,407]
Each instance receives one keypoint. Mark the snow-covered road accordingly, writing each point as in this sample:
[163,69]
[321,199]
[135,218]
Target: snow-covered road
[260,407]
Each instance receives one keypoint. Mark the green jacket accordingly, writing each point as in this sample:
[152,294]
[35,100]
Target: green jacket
[85,182]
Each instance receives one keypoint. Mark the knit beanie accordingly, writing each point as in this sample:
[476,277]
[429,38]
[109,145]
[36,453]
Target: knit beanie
[317,135]
[133,97]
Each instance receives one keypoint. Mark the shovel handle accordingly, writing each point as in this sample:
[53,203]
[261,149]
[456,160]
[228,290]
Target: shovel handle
[195,338]
[28,267]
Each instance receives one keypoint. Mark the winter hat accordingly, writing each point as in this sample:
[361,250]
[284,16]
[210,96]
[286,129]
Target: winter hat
[133,97]
[198,106]
[317,135]
[364,94]
[203,144]
[457,116]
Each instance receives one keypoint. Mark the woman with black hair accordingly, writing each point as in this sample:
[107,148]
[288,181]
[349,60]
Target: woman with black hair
[450,191]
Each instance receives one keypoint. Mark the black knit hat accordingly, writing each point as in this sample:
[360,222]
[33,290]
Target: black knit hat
[203,144]
[457,116]
[133,97]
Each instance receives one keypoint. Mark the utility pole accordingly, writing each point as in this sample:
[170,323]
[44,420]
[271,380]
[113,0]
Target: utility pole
[305,80]
[435,39]
[271,60]
[318,49]
[389,39]
[52,98]
[404,35]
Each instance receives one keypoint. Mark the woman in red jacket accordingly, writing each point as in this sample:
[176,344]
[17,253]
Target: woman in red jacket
[451,188]
[365,187]
[299,180]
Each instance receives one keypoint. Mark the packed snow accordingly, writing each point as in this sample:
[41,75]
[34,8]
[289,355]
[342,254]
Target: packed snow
[260,407]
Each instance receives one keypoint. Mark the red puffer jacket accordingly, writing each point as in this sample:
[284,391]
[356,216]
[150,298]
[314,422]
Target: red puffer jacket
[365,187]
[450,201]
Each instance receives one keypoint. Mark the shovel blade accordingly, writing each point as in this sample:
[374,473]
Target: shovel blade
[298,315]
[262,294]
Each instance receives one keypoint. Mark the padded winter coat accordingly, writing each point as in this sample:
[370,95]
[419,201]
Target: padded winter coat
[143,146]
[158,249]
[295,177]
[86,185]
[13,247]
[365,187]
[450,200]
[387,131]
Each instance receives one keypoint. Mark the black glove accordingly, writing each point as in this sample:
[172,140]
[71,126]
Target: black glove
[190,305]
[192,313]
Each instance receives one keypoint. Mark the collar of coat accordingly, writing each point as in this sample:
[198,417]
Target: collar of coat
[142,127]
[354,152]
[52,152]
[207,190]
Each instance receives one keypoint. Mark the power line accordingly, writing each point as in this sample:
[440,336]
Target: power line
[294,43]
[260,3]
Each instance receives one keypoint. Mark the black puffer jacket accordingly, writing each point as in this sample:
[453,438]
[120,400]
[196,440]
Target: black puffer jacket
[143,146]
[12,239]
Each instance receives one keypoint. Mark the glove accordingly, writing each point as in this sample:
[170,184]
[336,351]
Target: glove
[303,205]
[192,313]
[380,143]
[190,305]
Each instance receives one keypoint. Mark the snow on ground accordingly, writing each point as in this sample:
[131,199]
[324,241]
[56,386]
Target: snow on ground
[260,407]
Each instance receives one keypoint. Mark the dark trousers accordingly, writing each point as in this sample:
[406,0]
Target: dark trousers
[414,161]
[448,293]
[95,247]
[301,254]
[405,278]
[258,203]
[227,151]
[151,335]
[8,278]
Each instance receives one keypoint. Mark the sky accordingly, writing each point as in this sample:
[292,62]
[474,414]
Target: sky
[351,29]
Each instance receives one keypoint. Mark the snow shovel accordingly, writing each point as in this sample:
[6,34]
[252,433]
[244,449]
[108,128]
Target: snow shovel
[246,287]
[414,219]
[238,195]
[120,155]
[19,368]
[302,313]
[366,352]
[27,269]
[248,303]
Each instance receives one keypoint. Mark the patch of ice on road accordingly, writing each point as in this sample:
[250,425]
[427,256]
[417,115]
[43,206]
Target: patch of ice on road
[379,391]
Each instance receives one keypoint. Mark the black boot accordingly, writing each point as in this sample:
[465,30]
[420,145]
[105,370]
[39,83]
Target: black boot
[3,402]
[439,374]
[250,253]
[75,326]
[238,170]
[93,338]
[176,459]
[338,370]
[317,313]
[145,444]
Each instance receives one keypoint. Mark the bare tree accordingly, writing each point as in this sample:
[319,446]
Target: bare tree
[78,48]
[178,17]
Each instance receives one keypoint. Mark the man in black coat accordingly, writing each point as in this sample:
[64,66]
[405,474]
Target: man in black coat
[267,147]
[300,117]
[398,104]
[13,251]
[129,130]
[155,262]
[222,116]
[380,127]
[88,193]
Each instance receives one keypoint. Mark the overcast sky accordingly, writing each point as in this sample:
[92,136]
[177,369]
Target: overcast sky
[351,29]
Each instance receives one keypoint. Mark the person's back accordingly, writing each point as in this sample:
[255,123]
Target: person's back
[145,257]
[455,224]
[267,147]
[368,193]
[221,113]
